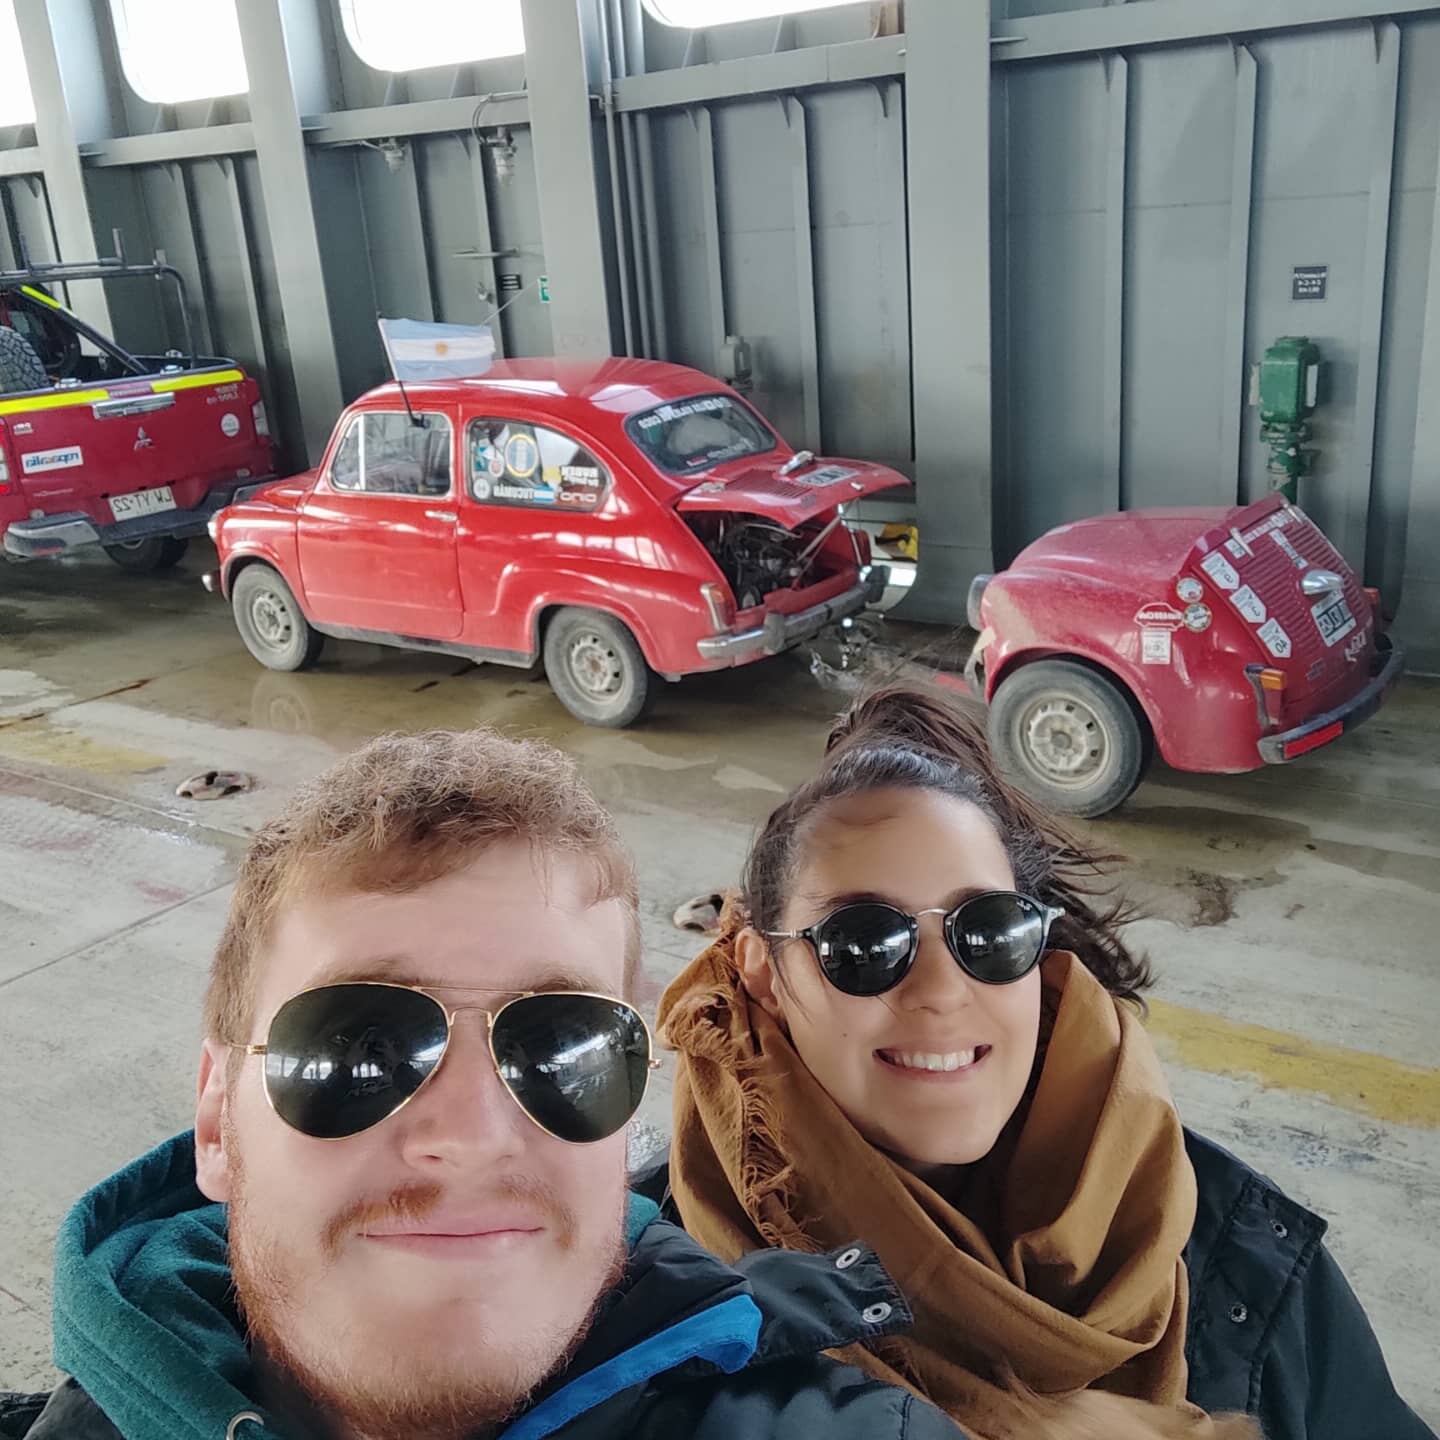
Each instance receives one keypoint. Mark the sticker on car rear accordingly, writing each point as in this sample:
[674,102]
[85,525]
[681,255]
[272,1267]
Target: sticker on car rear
[825,475]
[1333,619]
[1250,605]
[1220,570]
[38,461]
[1275,639]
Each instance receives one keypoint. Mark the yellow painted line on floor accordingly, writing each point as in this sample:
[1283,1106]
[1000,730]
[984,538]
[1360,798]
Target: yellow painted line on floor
[1371,1084]
[54,746]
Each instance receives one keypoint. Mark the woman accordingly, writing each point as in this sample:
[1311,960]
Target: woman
[917,1029]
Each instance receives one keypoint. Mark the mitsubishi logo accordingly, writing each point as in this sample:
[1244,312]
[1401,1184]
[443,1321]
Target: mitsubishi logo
[142,440]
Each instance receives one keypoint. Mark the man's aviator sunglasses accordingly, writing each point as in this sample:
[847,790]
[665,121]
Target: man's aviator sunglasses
[339,1059]
[867,947]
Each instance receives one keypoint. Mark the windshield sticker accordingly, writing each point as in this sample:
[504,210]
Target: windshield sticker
[1220,570]
[1275,639]
[1250,605]
[1154,647]
[522,455]
[580,475]
[1160,614]
[666,413]
[39,460]
[480,487]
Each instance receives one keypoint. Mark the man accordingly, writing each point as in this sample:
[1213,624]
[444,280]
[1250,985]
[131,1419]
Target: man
[403,1209]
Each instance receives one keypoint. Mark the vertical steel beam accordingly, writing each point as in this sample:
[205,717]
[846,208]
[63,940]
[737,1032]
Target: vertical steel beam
[245,241]
[475,150]
[290,216]
[205,280]
[1418,623]
[184,254]
[560,128]
[411,204]
[710,220]
[947,166]
[58,143]
[807,324]
[1237,283]
[1354,540]
[630,37]
[1117,85]
[618,216]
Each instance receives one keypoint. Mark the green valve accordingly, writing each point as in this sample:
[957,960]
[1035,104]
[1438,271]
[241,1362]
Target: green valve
[1286,387]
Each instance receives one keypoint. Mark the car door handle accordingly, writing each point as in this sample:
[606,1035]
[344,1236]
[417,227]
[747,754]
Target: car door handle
[440,515]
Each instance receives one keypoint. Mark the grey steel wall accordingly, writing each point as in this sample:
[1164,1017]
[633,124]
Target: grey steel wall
[1153,188]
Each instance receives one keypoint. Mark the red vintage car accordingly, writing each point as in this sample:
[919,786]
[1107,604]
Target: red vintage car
[1223,639]
[615,520]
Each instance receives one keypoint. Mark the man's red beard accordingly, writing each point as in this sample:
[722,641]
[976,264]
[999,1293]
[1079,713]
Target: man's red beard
[357,1388]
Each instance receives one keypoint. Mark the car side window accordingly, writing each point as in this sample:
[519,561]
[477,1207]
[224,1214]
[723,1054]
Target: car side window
[529,465]
[389,454]
[345,467]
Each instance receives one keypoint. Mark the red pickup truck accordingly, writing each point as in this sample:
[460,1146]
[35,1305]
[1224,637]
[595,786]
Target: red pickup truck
[615,520]
[133,453]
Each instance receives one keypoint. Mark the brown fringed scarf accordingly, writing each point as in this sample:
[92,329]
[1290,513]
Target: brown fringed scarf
[1062,1273]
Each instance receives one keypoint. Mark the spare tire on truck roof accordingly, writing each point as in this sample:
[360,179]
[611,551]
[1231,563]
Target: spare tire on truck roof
[21,368]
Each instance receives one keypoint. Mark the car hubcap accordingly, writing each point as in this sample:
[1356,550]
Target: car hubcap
[271,617]
[596,666]
[1065,740]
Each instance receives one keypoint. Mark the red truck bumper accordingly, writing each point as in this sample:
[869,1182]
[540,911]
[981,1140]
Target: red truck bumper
[58,534]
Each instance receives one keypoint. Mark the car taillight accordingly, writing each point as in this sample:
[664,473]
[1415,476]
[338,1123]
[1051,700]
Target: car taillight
[721,606]
[4,472]
[261,419]
[1373,596]
[1314,740]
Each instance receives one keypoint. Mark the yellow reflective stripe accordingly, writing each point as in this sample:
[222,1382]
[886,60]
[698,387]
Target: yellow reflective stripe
[55,400]
[41,296]
[194,382]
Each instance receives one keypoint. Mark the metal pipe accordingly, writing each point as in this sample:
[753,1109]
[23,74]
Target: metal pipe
[617,210]
[632,196]
[652,239]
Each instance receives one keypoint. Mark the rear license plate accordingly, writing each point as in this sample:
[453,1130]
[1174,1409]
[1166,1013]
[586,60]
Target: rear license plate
[1333,619]
[142,502]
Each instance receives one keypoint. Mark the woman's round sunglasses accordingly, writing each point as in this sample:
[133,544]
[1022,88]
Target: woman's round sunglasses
[867,947]
[342,1058]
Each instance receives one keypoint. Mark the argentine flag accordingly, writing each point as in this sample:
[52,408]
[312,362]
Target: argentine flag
[421,350]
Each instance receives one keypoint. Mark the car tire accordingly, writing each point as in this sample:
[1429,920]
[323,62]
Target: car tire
[145,557]
[21,367]
[271,622]
[596,668]
[1069,736]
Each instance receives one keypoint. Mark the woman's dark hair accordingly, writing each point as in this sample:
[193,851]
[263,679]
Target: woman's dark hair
[903,738]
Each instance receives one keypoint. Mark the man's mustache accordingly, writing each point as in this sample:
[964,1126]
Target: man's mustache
[415,1203]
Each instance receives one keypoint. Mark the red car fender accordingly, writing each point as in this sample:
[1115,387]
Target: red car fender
[630,594]
[281,558]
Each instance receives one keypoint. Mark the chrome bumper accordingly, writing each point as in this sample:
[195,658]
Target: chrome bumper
[782,632]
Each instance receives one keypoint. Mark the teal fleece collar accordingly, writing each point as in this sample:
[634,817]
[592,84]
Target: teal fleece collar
[145,1318]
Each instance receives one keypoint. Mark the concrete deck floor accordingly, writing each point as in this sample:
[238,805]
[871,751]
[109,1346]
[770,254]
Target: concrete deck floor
[1294,912]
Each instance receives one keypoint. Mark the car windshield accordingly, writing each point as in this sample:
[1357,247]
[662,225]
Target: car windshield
[692,435]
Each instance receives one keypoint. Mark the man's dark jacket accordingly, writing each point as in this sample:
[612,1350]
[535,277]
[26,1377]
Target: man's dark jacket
[687,1346]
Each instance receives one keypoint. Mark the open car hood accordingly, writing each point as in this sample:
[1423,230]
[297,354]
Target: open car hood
[756,487]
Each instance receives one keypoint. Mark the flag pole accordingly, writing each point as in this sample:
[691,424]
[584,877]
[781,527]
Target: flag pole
[385,343]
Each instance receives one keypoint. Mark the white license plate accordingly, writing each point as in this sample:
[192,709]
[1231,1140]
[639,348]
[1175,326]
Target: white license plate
[142,502]
[1334,619]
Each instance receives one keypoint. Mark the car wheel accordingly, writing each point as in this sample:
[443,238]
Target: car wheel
[1069,736]
[596,669]
[144,557]
[271,622]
